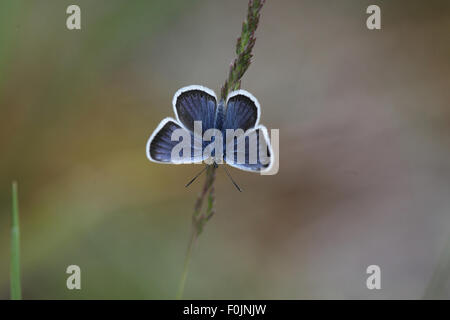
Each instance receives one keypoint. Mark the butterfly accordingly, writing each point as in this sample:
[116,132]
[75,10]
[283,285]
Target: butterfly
[198,112]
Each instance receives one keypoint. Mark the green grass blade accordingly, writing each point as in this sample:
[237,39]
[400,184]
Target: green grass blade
[16,292]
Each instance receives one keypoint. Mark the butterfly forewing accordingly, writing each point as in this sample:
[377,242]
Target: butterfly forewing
[160,146]
[251,151]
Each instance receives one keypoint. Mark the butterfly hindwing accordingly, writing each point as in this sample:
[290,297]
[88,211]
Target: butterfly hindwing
[195,103]
[242,111]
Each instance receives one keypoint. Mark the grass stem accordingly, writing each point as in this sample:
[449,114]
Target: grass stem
[244,47]
[187,260]
[16,292]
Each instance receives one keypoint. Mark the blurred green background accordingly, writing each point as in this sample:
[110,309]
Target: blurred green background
[364,150]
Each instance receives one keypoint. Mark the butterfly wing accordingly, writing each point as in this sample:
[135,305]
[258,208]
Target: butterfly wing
[195,103]
[162,142]
[251,151]
[242,111]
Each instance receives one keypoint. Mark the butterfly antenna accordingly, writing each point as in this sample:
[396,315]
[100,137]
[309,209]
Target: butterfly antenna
[198,174]
[231,178]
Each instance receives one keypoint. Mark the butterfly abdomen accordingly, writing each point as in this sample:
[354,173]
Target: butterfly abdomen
[218,123]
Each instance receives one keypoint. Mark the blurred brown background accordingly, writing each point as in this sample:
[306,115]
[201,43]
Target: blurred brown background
[364,150]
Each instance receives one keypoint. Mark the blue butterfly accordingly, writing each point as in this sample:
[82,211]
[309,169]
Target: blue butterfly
[198,105]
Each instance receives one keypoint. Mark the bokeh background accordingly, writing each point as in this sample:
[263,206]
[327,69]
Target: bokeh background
[364,178]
